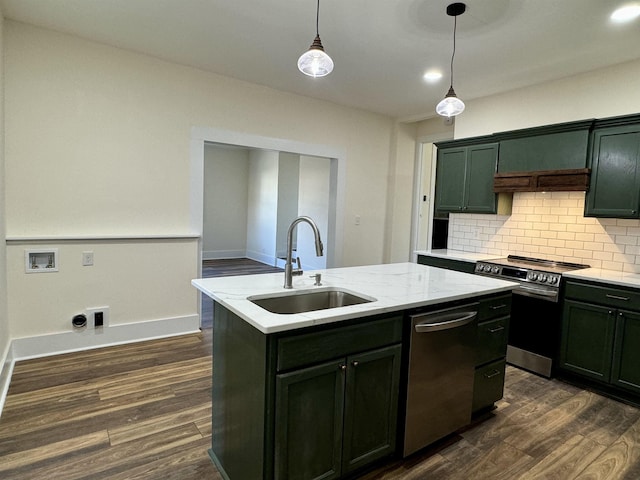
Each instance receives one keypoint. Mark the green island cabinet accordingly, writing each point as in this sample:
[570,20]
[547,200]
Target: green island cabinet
[561,146]
[464,176]
[491,350]
[323,402]
[601,334]
[615,169]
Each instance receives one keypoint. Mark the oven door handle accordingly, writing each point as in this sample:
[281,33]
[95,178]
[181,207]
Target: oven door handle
[538,291]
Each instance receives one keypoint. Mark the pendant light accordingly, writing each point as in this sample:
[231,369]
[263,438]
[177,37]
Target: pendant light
[451,105]
[315,62]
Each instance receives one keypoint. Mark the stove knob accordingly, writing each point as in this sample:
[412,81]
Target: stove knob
[495,269]
[543,278]
[479,267]
[553,280]
[533,276]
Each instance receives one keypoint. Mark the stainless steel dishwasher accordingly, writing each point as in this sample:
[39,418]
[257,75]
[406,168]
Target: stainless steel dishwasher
[441,373]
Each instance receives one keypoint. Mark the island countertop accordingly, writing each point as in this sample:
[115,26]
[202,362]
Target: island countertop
[394,287]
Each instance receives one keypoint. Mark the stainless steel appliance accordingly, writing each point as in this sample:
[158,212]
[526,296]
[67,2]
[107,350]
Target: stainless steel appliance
[534,331]
[441,373]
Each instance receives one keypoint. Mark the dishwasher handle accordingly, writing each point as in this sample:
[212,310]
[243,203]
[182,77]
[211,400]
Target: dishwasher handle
[444,322]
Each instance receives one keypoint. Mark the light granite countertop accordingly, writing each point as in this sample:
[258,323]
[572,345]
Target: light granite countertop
[394,287]
[624,279]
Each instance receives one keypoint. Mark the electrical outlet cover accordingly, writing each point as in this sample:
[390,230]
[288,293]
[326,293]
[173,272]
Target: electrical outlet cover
[90,313]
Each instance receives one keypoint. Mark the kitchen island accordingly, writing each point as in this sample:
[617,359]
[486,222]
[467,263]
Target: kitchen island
[320,394]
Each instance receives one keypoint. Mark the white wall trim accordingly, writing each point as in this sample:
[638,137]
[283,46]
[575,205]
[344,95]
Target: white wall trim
[6,370]
[58,343]
[222,254]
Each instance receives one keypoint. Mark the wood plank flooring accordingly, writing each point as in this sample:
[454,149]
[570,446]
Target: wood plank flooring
[143,411]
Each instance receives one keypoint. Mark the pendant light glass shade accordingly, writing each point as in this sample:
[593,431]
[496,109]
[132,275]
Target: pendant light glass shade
[451,105]
[315,62]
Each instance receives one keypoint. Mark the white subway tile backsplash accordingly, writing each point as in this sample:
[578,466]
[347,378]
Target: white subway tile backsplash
[552,226]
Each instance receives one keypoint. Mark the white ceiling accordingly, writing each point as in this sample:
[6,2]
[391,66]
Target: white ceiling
[381,48]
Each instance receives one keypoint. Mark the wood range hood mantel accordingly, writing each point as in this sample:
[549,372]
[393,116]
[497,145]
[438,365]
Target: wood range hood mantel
[543,181]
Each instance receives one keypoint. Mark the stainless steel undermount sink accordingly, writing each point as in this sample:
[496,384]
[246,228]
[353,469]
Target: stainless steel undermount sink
[307,301]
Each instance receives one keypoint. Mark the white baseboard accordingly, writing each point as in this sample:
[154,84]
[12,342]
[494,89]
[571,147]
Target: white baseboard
[222,254]
[261,257]
[57,343]
[6,370]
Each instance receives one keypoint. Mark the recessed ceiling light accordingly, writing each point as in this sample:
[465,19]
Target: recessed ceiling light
[432,76]
[626,13]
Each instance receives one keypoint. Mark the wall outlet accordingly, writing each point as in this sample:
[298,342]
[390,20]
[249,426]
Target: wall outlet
[87,259]
[97,317]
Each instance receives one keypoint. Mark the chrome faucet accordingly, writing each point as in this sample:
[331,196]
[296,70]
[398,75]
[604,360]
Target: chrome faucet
[289,271]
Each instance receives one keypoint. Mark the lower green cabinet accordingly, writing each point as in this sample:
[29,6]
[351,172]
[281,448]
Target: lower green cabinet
[491,350]
[338,416]
[488,386]
[309,409]
[625,371]
[587,339]
[602,341]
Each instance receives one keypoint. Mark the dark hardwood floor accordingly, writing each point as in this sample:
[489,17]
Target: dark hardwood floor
[226,268]
[143,411]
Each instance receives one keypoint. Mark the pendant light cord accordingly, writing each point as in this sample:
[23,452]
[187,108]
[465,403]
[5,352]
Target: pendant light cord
[455,23]
[317,18]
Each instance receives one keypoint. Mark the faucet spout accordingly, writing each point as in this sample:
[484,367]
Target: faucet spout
[288,266]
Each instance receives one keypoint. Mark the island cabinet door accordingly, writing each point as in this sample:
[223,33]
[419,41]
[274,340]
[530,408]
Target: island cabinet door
[308,431]
[371,407]
[587,339]
[626,353]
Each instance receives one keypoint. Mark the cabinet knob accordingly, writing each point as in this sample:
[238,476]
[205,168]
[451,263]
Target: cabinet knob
[355,363]
[342,367]
[610,312]
[633,212]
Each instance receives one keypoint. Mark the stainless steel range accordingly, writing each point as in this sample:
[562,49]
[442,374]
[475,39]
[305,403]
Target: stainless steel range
[534,332]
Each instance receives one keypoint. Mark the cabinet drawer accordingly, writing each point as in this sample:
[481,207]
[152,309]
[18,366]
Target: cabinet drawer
[488,385]
[492,340]
[305,349]
[612,297]
[494,307]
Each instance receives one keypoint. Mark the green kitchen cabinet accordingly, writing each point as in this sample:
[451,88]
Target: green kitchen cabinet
[625,371]
[448,263]
[551,147]
[309,410]
[615,172]
[491,349]
[318,402]
[336,417]
[601,334]
[464,178]
[587,339]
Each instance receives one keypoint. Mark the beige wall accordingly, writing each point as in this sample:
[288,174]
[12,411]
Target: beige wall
[226,181]
[4,322]
[601,93]
[97,144]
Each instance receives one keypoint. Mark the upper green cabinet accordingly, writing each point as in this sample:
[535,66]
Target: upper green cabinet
[551,147]
[615,172]
[464,178]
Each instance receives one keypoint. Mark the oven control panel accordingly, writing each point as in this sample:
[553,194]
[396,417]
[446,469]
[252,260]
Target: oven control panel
[521,274]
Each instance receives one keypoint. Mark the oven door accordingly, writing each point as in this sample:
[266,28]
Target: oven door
[534,332]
